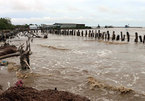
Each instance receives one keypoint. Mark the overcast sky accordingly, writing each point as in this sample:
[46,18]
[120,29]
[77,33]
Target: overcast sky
[90,12]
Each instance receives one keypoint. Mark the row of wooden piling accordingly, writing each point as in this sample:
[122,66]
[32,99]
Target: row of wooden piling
[100,36]
[97,34]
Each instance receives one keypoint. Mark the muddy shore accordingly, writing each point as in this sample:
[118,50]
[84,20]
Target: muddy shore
[31,94]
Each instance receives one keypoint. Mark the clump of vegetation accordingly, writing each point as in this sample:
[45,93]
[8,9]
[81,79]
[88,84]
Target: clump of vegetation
[26,26]
[96,83]
[5,24]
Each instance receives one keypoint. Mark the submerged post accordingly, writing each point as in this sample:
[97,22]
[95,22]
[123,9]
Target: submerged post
[118,38]
[128,36]
[144,39]
[136,37]
[86,34]
[108,35]
[140,37]
[113,36]
[82,33]
[121,36]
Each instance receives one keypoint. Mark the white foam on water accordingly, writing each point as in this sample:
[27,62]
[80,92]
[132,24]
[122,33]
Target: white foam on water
[103,99]
[79,52]
[103,53]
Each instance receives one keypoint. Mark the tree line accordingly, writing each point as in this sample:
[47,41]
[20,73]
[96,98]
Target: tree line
[5,24]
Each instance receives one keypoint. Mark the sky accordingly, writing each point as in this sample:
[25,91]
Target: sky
[89,12]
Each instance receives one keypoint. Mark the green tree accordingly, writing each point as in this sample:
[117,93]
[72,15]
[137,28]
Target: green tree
[5,23]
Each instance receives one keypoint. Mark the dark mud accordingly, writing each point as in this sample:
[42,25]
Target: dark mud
[7,50]
[31,94]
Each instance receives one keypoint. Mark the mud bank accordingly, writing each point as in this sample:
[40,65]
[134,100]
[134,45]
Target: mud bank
[31,94]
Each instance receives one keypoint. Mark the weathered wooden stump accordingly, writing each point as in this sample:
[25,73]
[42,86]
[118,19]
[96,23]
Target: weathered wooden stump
[103,35]
[144,39]
[108,35]
[140,37]
[118,38]
[89,33]
[128,36]
[113,36]
[78,33]
[82,33]
[86,34]
[136,37]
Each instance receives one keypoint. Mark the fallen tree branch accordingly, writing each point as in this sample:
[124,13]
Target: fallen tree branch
[10,55]
[27,64]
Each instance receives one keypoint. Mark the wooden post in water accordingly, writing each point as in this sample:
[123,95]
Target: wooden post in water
[86,33]
[72,31]
[78,33]
[121,36]
[82,34]
[113,36]
[140,37]
[136,37]
[128,36]
[118,38]
[103,35]
[89,33]
[108,34]
[92,33]
[99,34]
[144,39]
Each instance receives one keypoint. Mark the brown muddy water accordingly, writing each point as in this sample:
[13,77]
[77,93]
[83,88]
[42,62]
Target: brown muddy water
[101,71]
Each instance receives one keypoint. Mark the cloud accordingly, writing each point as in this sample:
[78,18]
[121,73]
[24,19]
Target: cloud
[90,12]
[103,8]
[48,20]
[86,20]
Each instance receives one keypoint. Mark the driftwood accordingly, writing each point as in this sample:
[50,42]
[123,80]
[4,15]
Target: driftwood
[10,55]
[24,55]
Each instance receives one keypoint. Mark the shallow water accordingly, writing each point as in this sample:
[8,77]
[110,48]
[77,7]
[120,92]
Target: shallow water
[66,62]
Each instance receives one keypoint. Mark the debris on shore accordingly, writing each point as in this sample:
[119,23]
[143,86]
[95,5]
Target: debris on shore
[95,83]
[8,51]
[31,94]
[4,50]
